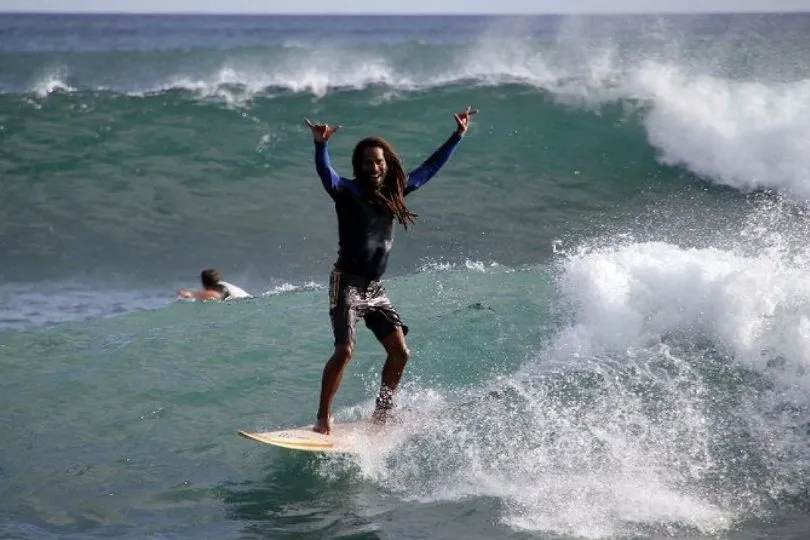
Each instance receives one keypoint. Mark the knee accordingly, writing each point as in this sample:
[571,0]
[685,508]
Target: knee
[402,353]
[342,354]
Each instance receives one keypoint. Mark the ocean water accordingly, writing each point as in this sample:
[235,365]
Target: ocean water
[607,286]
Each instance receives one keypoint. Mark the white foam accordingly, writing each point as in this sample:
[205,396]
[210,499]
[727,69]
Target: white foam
[468,264]
[302,71]
[589,469]
[292,287]
[748,135]
[51,82]
[625,297]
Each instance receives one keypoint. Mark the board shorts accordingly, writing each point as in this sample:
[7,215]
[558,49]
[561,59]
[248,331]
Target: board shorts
[353,297]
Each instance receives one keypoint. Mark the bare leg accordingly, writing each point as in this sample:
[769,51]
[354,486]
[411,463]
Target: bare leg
[332,374]
[393,369]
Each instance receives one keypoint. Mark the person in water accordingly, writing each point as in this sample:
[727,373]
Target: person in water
[366,208]
[214,288]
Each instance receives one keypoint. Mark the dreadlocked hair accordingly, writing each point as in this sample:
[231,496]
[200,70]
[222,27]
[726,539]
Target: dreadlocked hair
[391,194]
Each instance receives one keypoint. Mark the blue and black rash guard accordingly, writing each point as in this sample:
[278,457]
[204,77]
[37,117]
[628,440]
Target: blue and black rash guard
[365,229]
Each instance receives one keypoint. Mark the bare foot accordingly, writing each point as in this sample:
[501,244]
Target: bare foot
[323,425]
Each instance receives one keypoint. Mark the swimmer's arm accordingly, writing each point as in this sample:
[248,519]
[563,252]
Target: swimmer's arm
[206,294]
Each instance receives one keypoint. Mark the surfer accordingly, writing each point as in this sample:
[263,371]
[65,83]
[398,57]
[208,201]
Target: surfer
[366,207]
[214,288]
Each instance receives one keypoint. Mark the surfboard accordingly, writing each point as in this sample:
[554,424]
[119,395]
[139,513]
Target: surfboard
[237,293]
[347,437]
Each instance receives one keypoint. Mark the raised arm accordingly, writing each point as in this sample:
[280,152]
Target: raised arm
[320,135]
[427,170]
[329,177]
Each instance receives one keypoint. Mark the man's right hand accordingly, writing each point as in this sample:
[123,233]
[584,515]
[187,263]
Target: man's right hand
[321,132]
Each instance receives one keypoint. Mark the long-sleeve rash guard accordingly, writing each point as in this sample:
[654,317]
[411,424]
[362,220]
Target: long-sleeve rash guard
[365,229]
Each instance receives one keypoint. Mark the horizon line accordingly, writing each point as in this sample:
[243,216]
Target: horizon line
[401,13]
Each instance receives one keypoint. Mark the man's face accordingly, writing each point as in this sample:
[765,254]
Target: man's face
[374,166]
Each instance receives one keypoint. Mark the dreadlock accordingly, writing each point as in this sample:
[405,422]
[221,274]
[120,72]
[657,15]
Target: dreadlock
[391,195]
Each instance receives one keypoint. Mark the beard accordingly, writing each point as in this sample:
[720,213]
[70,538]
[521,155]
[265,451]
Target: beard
[373,183]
